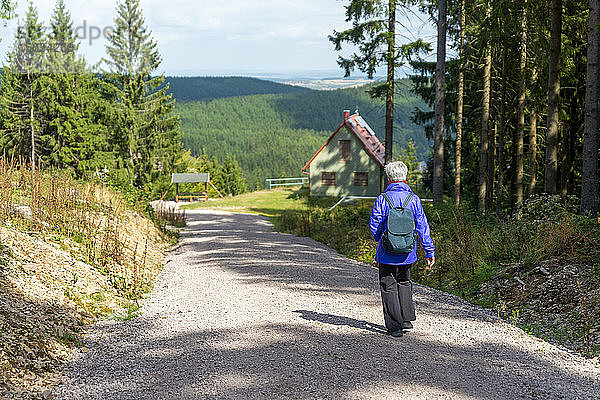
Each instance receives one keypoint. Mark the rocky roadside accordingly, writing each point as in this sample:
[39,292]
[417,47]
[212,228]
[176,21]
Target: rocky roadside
[48,296]
[557,301]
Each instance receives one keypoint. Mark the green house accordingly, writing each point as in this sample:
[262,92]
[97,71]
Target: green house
[350,163]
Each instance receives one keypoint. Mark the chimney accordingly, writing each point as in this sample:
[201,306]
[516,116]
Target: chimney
[346,115]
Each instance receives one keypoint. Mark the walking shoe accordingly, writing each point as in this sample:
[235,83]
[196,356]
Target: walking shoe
[406,325]
[397,333]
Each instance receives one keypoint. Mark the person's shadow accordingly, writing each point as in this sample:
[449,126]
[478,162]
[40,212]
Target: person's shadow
[339,320]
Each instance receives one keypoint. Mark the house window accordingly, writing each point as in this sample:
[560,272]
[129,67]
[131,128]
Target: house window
[344,150]
[328,178]
[361,179]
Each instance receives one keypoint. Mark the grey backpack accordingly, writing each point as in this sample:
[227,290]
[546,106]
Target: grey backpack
[400,234]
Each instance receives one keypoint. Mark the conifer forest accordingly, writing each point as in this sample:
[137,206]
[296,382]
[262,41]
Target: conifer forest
[513,90]
[509,103]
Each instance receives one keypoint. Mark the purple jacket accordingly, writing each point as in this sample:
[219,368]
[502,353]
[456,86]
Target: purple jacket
[398,192]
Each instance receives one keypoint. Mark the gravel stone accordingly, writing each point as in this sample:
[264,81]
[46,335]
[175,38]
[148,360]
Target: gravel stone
[241,312]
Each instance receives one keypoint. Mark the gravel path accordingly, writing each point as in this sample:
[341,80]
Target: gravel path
[240,312]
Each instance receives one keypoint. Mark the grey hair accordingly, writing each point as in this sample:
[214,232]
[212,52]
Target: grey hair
[396,171]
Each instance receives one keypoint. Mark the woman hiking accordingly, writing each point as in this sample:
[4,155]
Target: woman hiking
[396,253]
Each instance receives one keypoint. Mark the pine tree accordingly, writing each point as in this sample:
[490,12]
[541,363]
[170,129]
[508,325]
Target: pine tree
[518,146]
[589,184]
[76,111]
[148,137]
[230,179]
[460,105]
[485,121]
[551,169]
[23,87]
[440,91]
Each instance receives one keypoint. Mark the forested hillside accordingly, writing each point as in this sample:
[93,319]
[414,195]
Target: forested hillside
[274,134]
[211,88]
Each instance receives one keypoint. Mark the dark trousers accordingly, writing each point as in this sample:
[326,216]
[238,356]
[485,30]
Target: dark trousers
[396,295]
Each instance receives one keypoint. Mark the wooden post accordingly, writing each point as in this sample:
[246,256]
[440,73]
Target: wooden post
[164,195]
[206,191]
[177,193]
[214,187]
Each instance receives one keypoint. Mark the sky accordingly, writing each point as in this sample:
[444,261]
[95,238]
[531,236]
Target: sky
[271,38]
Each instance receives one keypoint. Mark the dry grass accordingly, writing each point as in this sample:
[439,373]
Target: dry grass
[70,252]
[167,214]
[88,218]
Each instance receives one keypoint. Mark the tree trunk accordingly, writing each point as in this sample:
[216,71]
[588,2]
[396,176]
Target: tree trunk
[501,162]
[492,133]
[389,98]
[563,151]
[551,167]
[589,173]
[567,146]
[532,141]
[485,118]
[440,86]
[519,133]
[459,108]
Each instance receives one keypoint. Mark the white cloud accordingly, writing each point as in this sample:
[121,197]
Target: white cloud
[227,34]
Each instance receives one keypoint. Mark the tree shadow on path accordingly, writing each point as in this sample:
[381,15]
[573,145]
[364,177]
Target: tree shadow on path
[310,353]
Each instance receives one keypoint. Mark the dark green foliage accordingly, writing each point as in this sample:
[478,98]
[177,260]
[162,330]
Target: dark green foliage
[147,133]
[58,113]
[46,79]
[211,88]
[229,178]
[77,114]
[269,134]
[502,29]
[23,86]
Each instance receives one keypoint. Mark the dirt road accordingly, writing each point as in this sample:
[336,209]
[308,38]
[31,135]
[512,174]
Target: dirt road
[240,312]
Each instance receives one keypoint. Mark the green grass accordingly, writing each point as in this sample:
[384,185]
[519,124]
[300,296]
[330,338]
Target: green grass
[269,203]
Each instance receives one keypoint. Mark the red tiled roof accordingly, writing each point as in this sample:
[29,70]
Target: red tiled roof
[360,128]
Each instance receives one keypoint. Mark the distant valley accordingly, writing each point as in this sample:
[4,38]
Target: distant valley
[271,128]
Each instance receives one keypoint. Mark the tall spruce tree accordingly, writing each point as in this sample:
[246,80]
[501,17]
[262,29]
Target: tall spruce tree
[63,43]
[552,133]
[460,104]
[76,112]
[589,181]
[148,137]
[440,98]
[229,177]
[485,119]
[23,90]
